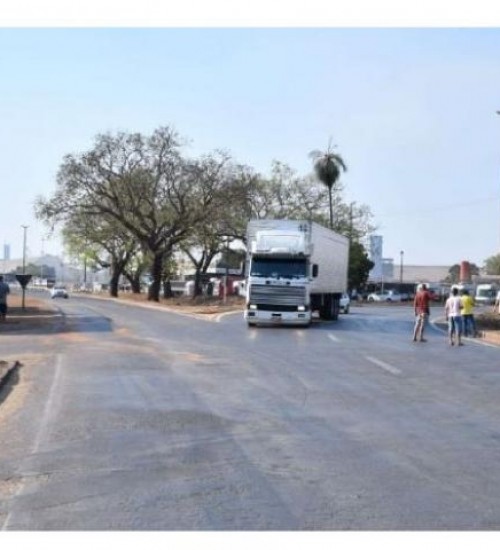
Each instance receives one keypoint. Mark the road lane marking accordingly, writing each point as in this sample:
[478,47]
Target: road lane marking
[48,405]
[226,313]
[383,365]
[42,431]
[334,338]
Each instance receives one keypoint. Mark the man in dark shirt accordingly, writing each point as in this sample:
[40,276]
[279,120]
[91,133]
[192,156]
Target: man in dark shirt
[4,290]
[422,311]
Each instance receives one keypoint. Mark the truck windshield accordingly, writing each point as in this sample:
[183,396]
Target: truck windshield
[278,268]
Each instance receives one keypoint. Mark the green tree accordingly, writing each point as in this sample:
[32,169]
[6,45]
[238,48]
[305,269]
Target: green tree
[100,241]
[492,265]
[145,185]
[328,166]
[359,266]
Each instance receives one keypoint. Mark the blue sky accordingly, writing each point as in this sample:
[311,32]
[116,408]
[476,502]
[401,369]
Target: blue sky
[412,111]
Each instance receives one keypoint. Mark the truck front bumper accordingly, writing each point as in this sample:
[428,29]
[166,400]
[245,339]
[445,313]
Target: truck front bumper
[260,317]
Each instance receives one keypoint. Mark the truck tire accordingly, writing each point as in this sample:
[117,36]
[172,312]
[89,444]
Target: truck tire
[324,308]
[330,308]
[334,307]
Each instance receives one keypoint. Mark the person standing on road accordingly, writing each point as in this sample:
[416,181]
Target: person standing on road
[421,303]
[4,290]
[453,312]
[468,313]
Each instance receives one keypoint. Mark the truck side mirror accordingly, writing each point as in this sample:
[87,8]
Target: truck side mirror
[315,270]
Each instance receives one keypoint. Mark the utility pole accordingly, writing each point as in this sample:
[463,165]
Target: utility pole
[227,271]
[401,267]
[350,223]
[498,112]
[43,254]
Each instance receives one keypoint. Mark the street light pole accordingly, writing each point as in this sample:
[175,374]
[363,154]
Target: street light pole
[401,267]
[498,112]
[227,272]
[43,254]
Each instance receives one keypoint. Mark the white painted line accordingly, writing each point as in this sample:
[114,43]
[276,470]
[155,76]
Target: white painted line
[333,338]
[48,405]
[226,313]
[383,365]
[42,430]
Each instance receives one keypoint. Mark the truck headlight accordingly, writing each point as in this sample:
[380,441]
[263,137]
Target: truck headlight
[252,306]
[301,308]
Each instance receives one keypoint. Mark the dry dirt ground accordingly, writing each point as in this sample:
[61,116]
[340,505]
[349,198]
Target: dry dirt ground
[201,305]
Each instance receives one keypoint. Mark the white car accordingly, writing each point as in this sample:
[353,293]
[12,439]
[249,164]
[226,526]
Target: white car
[345,303]
[58,292]
[386,296]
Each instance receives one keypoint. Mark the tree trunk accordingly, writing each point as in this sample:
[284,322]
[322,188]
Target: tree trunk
[135,281]
[198,291]
[136,284]
[156,273]
[167,289]
[113,283]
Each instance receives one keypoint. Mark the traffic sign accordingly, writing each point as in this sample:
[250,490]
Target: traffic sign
[23,280]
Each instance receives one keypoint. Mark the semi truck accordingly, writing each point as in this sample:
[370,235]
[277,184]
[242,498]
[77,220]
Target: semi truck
[293,268]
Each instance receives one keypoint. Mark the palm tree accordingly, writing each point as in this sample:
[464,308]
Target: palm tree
[327,166]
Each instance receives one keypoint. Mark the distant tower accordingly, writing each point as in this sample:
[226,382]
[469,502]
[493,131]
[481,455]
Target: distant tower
[6,251]
[377,273]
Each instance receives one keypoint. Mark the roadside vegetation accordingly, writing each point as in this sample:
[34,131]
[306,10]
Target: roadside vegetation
[132,201]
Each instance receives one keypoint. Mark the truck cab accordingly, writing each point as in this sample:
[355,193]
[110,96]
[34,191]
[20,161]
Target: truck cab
[278,276]
[293,268]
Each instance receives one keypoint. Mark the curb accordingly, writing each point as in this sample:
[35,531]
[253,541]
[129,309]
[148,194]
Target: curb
[210,317]
[440,325]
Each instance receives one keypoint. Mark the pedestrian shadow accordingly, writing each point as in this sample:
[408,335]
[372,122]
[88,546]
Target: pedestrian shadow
[9,381]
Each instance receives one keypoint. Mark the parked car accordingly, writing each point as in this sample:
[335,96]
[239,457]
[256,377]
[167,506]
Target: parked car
[58,292]
[386,296]
[345,303]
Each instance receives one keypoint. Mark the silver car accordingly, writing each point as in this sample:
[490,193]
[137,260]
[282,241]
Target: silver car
[59,292]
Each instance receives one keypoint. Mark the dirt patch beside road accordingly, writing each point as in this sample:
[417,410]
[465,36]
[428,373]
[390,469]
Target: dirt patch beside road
[200,306]
[488,325]
[36,313]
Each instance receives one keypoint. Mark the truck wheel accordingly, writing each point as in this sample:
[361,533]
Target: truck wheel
[334,307]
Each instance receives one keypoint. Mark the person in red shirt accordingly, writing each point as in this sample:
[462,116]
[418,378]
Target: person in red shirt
[422,311]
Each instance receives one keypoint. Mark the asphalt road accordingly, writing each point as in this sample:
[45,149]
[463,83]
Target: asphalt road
[130,418]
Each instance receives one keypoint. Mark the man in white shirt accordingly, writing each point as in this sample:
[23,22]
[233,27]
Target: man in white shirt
[453,312]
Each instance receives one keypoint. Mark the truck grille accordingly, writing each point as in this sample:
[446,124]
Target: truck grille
[272,295]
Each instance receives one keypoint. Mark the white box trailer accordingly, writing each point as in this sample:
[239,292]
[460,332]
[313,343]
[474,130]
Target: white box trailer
[293,267]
